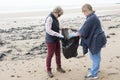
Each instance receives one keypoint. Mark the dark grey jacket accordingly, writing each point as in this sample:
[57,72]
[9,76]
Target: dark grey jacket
[93,37]
[55,27]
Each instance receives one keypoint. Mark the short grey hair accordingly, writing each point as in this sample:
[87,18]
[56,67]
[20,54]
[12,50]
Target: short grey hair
[87,6]
[58,10]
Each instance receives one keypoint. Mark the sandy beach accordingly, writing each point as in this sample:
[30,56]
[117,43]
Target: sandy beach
[23,50]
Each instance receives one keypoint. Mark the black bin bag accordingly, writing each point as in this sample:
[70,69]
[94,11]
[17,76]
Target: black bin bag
[69,45]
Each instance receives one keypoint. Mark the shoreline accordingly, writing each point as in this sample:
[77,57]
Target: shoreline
[43,14]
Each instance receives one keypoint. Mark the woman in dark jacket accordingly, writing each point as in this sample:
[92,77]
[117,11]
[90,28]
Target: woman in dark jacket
[92,38]
[53,40]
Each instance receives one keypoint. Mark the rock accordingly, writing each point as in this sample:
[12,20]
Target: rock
[117,57]
[117,26]
[14,21]
[2,56]
[108,36]
[1,43]
[2,70]
[84,66]
[39,53]
[106,19]
[18,76]
[34,48]
[29,71]
[28,53]
[80,56]
[110,61]
[112,33]
[13,58]
[35,71]
[9,51]
[33,26]
[12,75]
[113,73]
[2,31]
[69,70]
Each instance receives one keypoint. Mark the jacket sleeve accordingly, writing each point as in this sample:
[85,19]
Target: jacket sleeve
[48,26]
[86,28]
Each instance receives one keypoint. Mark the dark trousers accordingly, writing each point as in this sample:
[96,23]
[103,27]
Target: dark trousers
[53,48]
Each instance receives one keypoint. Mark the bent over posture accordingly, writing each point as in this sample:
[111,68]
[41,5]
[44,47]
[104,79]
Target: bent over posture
[52,40]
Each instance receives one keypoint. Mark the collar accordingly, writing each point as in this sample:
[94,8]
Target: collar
[90,14]
[53,15]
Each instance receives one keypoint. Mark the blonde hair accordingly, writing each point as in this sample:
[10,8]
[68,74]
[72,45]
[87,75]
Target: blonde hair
[58,10]
[87,7]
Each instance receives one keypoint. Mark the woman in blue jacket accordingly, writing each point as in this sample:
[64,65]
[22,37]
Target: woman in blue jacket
[92,38]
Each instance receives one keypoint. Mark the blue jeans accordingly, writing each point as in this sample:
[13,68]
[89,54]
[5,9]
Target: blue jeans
[96,58]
